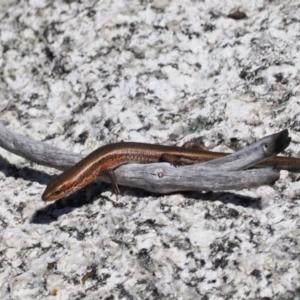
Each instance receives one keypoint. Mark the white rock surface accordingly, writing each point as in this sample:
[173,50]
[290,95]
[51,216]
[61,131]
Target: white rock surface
[80,74]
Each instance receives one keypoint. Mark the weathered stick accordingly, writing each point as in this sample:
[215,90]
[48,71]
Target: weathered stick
[35,151]
[161,177]
[251,155]
[164,179]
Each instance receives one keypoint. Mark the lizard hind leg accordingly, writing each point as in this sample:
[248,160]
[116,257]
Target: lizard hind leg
[196,143]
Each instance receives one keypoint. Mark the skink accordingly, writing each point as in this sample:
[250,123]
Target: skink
[104,160]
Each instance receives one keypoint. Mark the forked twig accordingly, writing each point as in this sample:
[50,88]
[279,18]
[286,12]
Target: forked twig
[221,174]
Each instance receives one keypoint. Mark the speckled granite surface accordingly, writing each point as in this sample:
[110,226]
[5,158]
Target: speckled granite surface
[80,74]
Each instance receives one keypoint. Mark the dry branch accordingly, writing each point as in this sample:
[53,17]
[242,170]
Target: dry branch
[220,174]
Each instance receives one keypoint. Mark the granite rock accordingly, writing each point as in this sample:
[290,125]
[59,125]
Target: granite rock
[81,74]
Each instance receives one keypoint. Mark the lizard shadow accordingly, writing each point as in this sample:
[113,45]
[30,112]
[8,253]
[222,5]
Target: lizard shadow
[91,193]
[26,173]
[52,211]
[232,198]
